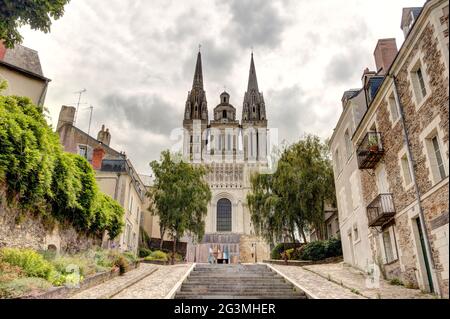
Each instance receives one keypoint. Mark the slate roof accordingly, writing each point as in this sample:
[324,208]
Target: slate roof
[24,59]
[407,14]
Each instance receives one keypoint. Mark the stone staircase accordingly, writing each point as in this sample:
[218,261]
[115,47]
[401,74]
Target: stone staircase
[237,282]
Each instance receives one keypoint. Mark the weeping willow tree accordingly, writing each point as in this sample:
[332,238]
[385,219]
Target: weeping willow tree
[180,197]
[293,199]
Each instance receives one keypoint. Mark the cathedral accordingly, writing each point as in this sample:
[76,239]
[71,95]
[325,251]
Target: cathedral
[232,150]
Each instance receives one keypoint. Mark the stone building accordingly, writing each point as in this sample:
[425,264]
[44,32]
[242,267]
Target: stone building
[232,150]
[21,68]
[401,146]
[331,227]
[115,176]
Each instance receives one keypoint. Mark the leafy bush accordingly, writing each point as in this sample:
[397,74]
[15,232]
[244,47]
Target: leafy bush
[130,257]
[9,272]
[40,178]
[23,286]
[69,264]
[158,255]
[122,263]
[396,282]
[319,250]
[314,251]
[280,248]
[32,263]
[144,252]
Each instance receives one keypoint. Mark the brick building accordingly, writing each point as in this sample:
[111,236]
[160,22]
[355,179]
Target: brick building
[401,149]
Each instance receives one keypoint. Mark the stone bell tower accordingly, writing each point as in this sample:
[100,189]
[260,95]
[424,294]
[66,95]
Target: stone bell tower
[254,120]
[195,117]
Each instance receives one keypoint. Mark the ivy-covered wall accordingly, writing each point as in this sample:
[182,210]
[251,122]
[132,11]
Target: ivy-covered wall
[39,180]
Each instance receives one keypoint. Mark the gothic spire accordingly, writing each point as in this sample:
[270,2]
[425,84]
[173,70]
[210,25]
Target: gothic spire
[198,76]
[252,79]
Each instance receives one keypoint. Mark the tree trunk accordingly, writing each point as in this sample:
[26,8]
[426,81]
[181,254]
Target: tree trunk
[303,235]
[174,250]
[162,232]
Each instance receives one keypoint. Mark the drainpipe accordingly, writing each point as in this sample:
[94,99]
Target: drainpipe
[417,191]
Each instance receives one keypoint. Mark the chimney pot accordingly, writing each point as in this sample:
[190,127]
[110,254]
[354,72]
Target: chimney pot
[97,158]
[385,53]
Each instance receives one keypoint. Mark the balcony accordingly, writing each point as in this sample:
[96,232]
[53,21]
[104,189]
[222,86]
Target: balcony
[381,210]
[370,150]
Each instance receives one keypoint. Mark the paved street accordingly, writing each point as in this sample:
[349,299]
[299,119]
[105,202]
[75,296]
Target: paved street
[336,281]
[157,285]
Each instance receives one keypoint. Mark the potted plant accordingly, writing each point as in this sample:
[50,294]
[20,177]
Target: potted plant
[372,144]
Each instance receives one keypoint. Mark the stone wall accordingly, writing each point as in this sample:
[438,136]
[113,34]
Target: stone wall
[32,232]
[434,196]
[247,249]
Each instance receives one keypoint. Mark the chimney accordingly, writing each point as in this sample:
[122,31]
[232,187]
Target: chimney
[97,158]
[385,53]
[104,136]
[2,50]
[66,116]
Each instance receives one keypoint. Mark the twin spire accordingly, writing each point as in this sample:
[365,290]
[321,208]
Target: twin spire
[253,110]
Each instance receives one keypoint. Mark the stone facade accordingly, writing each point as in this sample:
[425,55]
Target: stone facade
[32,232]
[413,97]
[232,151]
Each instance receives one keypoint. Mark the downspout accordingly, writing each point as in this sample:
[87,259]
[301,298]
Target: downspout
[428,248]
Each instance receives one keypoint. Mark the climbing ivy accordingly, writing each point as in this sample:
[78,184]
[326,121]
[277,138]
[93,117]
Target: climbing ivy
[39,177]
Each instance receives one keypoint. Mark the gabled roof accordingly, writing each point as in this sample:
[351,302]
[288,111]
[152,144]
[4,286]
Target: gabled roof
[24,59]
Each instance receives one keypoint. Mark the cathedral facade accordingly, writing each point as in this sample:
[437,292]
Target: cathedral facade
[232,150]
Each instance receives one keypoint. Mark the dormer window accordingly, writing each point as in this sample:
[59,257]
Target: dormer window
[224,100]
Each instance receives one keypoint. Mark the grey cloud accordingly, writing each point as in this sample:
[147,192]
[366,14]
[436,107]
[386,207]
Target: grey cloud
[255,22]
[292,111]
[147,112]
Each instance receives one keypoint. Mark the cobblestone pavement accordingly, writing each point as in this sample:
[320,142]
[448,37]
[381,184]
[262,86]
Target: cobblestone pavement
[111,286]
[316,285]
[157,285]
[355,279]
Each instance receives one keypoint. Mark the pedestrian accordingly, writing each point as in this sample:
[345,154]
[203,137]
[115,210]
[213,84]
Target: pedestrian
[210,256]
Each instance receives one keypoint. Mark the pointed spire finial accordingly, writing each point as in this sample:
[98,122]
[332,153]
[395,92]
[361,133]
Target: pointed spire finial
[198,76]
[252,80]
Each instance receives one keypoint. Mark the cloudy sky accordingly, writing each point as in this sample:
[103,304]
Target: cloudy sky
[136,59]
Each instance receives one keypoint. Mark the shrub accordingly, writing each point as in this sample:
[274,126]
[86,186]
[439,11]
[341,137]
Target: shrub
[158,255]
[319,250]
[32,263]
[130,257]
[23,286]
[334,247]
[144,252]
[9,272]
[122,263]
[280,248]
[314,251]
[72,264]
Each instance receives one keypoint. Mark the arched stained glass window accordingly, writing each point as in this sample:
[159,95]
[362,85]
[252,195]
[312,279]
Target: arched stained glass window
[224,215]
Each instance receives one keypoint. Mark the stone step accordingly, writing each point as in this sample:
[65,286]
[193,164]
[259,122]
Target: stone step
[232,296]
[237,291]
[253,285]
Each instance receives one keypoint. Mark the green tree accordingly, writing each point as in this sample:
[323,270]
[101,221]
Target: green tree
[293,198]
[180,197]
[38,14]
[37,176]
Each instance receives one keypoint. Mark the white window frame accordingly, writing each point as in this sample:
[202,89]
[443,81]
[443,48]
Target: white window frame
[348,144]
[392,238]
[391,96]
[402,154]
[434,130]
[415,86]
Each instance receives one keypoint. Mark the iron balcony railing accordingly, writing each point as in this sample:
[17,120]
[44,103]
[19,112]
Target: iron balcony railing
[370,150]
[381,210]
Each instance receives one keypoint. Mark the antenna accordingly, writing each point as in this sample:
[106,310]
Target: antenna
[78,104]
